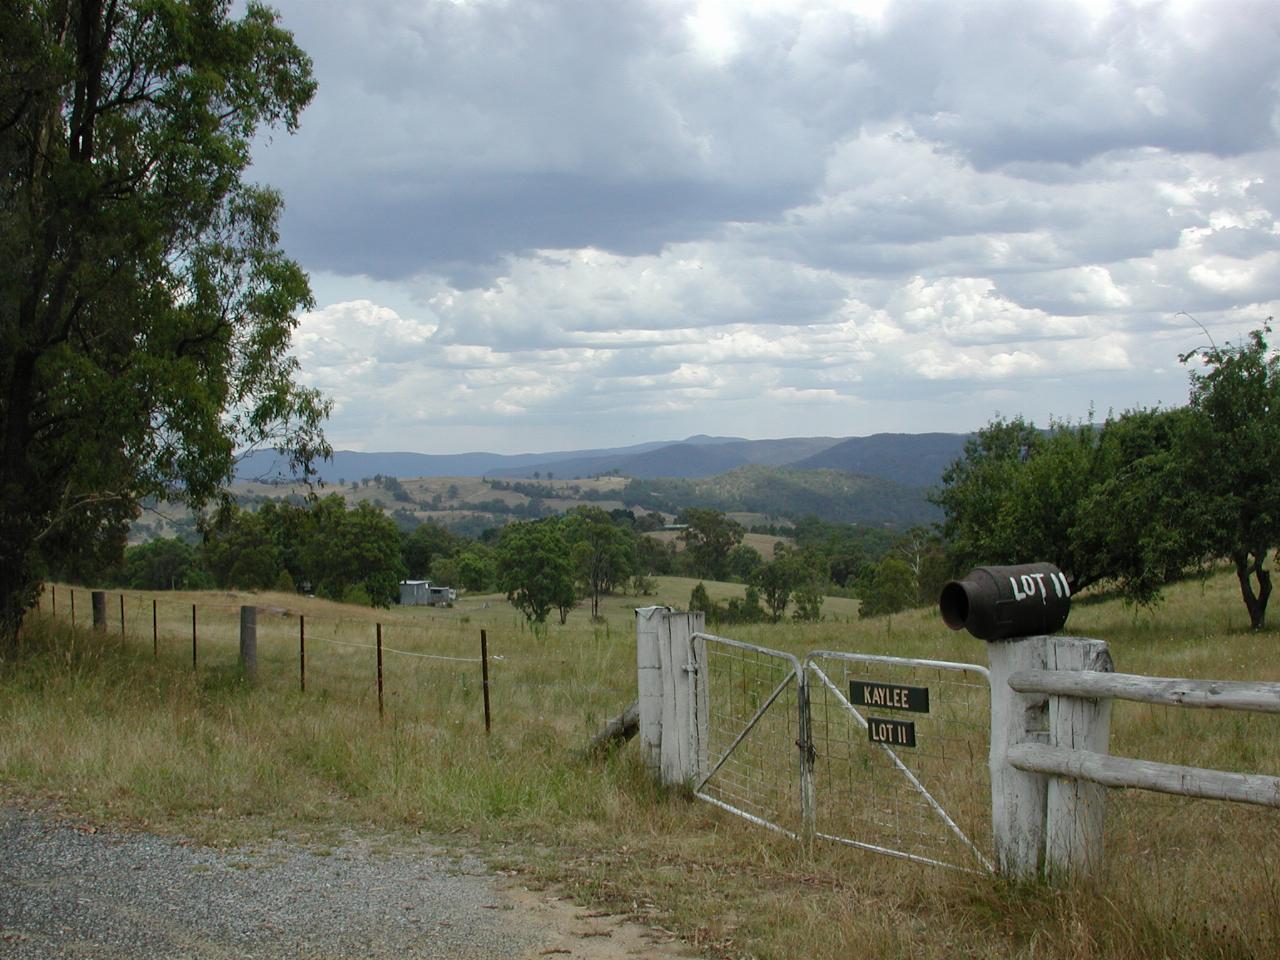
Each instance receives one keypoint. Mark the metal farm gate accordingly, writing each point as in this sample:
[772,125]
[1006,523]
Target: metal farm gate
[888,754]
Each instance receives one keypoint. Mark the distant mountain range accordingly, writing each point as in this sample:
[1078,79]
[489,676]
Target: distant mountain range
[913,460]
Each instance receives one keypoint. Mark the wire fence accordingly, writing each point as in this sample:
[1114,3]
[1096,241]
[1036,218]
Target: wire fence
[412,664]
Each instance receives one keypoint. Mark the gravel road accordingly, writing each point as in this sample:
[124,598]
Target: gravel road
[73,891]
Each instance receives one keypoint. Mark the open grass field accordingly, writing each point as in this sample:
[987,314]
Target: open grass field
[104,728]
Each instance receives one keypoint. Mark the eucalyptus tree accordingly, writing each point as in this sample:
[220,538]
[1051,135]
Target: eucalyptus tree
[145,305]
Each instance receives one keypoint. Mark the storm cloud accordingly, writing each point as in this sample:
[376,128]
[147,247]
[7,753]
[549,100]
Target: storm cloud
[546,224]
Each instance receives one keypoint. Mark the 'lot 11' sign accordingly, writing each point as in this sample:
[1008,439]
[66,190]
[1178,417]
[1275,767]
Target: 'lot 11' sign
[890,696]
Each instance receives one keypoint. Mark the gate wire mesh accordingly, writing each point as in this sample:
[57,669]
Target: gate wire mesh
[752,768]
[930,802]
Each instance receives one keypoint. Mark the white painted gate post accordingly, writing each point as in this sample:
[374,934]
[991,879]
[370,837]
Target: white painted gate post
[649,684]
[1018,798]
[672,704]
[679,729]
[1075,809]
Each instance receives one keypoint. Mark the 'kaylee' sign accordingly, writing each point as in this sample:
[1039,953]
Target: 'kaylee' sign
[890,695]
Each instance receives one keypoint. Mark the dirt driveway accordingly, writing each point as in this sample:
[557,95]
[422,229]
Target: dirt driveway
[69,890]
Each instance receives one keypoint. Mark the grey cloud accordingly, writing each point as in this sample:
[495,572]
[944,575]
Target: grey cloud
[447,136]
[1018,82]
[1242,242]
[465,230]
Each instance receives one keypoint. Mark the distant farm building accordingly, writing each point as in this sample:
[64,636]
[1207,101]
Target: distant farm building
[420,593]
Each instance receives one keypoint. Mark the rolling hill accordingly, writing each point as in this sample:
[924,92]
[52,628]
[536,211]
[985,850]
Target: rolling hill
[915,460]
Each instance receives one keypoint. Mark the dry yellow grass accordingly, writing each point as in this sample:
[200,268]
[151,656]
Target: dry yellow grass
[108,730]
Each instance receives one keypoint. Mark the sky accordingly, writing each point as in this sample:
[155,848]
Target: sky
[536,225]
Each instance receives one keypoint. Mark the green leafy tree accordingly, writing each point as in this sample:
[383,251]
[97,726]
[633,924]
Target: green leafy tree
[424,545]
[1144,520]
[1235,441]
[808,597]
[744,560]
[603,552]
[164,564]
[476,569]
[744,609]
[778,578]
[354,548]
[889,588]
[708,538]
[700,601]
[145,306]
[654,557]
[1015,495]
[534,569]
[240,552]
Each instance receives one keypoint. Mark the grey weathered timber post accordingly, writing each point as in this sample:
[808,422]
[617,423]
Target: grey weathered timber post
[98,600]
[672,704]
[649,684]
[679,729]
[1018,798]
[1075,809]
[249,643]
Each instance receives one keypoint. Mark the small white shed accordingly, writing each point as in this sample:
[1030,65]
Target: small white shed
[420,593]
[415,593]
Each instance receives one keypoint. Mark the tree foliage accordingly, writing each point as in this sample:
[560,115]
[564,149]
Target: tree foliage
[888,587]
[534,569]
[164,564]
[1236,444]
[145,307]
[1150,495]
[1015,494]
[324,547]
[603,552]
[709,537]
[1143,519]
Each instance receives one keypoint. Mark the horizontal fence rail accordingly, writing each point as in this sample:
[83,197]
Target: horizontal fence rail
[1168,691]
[1125,772]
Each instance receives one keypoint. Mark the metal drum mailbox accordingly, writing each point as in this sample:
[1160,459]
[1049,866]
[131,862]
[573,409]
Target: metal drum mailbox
[997,603]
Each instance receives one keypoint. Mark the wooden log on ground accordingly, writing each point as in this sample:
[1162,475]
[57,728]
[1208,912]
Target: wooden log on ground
[618,730]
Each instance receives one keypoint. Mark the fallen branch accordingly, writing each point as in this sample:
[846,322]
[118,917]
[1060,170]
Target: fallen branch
[618,730]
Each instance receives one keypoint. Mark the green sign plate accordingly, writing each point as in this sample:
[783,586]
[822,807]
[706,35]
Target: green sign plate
[890,696]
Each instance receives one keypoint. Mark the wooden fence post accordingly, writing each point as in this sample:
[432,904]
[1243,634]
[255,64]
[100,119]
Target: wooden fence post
[1018,798]
[679,727]
[1075,809]
[98,600]
[379,644]
[649,684]
[484,676]
[249,643]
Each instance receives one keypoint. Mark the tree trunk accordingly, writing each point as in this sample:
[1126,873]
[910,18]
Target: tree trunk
[1249,566]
